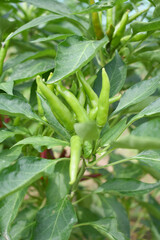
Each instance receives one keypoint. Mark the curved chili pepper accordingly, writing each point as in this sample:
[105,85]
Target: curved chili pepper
[73,102]
[60,111]
[119,31]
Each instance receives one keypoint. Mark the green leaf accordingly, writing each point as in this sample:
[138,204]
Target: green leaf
[60,178]
[127,187]
[8,156]
[108,228]
[153,56]
[146,26]
[31,68]
[39,141]
[136,108]
[112,208]
[16,106]
[5,134]
[5,27]
[24,223]
[23,173]
[73,54]
[121,215]
[11,62]
[149,128]
[99,6]
[87,130]
[59,129]
[8,210]
[113,133]
[156,13]
[55,222]
[150,161]
[55,6]
[137,93]
[35,22]
[117,72]
[7,87]
[52,37]
[152,109]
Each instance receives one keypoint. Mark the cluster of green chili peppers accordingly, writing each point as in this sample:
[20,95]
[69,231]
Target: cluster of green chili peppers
[75,110]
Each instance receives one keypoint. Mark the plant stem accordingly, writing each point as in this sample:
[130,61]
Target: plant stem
[81,224]
[80,174]
[100,158]
[114,163]
[115,120]
[81,199]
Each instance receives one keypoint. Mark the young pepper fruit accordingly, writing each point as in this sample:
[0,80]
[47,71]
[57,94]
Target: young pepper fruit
[91,95]
[96,23]
[61,112]
[73,102]
[119,31]
[103,101]
[76,150]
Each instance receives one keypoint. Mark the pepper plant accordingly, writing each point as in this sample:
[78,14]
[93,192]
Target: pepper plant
[80,120]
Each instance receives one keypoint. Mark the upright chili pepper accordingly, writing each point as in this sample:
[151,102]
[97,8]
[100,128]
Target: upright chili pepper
[73,102]
[109,18]
[103,102]
[119,31]
[137,14]
[40,108]
[96,24]
[76,150]
[91,94]
[60,111]
[3,52]
[81,96]
[50,86]
[91,80]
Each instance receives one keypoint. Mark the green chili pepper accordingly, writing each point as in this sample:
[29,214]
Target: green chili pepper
[81,96]
[125,39]
[73,88]
[125,52]
[109,18]
[110,32]
[40,108]
[138,37]
[119,31]
[76,150]
[3,52]
[136,15]
[73,102]
[91,94]
[115,99]
[103,102]
[91,80]
[60,111]
[96,24]
[50,86]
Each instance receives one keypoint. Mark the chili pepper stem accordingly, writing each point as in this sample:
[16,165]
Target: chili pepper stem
[80,175]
